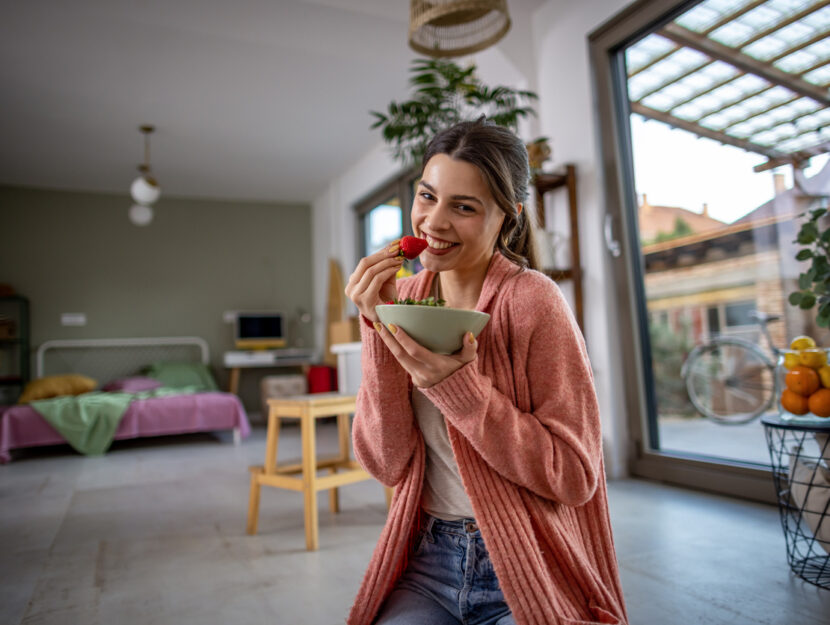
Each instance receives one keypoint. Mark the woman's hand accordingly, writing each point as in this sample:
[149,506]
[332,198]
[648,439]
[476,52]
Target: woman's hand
[373,281]
[425,367]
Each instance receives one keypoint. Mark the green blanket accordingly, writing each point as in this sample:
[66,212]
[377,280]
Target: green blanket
[88,422]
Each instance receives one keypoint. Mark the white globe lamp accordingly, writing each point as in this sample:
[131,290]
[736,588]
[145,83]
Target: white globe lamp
[145,190]
[141,215]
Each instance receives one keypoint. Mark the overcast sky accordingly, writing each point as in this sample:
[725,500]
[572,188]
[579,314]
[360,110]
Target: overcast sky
[676,168]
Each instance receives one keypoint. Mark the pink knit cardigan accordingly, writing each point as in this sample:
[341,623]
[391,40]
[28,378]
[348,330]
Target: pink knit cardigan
[524,426]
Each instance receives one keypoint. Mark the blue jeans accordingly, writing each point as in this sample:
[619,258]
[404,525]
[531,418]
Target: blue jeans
[449,580]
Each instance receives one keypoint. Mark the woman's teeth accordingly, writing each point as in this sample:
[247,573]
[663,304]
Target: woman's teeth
[438,245]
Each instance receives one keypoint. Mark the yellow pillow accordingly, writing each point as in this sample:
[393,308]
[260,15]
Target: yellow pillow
[55,386]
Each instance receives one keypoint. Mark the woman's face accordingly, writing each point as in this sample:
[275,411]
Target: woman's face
[456,213]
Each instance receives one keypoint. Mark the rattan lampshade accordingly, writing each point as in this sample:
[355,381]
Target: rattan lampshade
[445,28]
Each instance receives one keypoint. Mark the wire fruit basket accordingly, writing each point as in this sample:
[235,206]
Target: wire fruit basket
[800,458]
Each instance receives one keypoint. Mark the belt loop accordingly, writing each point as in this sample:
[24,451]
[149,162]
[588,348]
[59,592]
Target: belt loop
[428,529]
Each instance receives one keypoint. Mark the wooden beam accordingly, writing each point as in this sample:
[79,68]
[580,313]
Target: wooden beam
[752,94]
[702,131]
[800,46]
[709,89]
[795,159]
[763,111]
[792,120]
[790,19]
[721,22]
[718,51]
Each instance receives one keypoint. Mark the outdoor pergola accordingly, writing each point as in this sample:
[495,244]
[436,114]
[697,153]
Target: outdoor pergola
[749,73]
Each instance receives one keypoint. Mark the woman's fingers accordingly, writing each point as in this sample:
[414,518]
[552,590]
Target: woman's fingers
[368,287]
[410,346]
[424,366]
[390,251]
[469,349]
[366,281]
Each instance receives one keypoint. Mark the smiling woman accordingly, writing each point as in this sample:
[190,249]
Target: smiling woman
[494,451]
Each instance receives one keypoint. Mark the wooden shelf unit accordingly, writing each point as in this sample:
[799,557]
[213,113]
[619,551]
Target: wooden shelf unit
[546,182]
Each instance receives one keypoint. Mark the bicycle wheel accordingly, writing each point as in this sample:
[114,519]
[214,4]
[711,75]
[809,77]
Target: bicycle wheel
[729,381]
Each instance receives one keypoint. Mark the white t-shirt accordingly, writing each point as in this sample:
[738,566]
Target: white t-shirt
[443,495]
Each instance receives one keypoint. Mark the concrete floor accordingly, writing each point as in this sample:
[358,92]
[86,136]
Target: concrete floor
[154,532]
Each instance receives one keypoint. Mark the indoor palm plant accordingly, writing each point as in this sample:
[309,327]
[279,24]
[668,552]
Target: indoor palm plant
[446,93]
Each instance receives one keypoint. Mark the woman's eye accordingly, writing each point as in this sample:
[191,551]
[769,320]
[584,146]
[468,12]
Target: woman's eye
[464,208]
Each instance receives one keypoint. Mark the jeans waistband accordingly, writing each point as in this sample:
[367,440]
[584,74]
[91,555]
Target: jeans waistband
[461,526]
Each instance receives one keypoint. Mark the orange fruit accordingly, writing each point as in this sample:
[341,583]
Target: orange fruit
[819,402]
[814,357]
[802,380]
[794,403]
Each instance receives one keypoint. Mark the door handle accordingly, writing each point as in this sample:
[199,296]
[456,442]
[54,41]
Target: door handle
[610,242]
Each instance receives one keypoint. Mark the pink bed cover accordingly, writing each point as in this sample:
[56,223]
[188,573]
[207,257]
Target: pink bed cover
[22,426]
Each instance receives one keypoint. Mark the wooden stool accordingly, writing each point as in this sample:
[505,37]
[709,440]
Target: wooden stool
[307,408]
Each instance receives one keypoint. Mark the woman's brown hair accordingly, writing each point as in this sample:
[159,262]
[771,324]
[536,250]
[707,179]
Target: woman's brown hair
[501,157]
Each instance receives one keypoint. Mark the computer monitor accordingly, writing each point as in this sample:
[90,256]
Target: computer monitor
[259,330]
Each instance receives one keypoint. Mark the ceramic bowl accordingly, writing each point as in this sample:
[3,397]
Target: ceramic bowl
[437,328]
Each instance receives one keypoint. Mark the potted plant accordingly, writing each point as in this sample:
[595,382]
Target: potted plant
[444,94]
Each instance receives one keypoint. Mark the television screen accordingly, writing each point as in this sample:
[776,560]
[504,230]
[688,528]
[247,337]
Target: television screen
[259,330]
[259,326]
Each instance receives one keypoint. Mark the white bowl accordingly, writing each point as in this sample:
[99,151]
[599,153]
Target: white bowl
[438,328]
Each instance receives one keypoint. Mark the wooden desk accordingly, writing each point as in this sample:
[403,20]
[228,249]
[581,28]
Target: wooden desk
[342,470]
[266,359]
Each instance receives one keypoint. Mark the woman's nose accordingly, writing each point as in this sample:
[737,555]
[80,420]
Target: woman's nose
[438,216]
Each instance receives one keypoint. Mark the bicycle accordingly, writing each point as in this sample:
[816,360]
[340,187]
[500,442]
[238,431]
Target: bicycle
[731,380]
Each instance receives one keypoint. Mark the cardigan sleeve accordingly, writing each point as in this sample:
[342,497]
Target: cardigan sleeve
[555,449]
[384,431]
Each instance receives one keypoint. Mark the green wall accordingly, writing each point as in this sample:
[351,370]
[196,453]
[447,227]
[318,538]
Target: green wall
[78,252]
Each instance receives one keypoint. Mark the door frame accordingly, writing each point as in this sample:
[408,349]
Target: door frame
[617,185]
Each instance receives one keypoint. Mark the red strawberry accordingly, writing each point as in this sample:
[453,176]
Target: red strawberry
[411,247]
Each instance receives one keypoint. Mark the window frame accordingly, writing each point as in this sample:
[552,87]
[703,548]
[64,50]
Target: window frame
[401,186]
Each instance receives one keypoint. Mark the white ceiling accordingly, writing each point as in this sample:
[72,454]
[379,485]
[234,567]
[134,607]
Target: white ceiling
[252,99]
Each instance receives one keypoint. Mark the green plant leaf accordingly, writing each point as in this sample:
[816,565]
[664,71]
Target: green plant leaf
[804,281]
[807,301]
[804,254]
[795,298]
[443,93]
[808,233]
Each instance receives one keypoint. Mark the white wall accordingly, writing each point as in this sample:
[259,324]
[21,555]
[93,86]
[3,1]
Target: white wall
[334,225]
[558,71]
[566,116]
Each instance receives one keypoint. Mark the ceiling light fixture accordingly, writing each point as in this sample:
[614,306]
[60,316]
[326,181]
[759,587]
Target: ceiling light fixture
[447,28]
[145,189]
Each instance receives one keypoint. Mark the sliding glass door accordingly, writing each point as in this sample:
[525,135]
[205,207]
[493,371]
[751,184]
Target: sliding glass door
[714,123]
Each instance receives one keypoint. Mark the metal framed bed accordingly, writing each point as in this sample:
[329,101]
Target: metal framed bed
[108,359]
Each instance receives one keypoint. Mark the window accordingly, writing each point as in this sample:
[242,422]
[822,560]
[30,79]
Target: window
[385,213]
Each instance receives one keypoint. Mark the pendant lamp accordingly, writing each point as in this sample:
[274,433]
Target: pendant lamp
[145,189]
[447,28]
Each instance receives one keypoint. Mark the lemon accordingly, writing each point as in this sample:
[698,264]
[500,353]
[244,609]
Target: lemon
[802,342]
[824,375]
[791,360]
[815,357]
